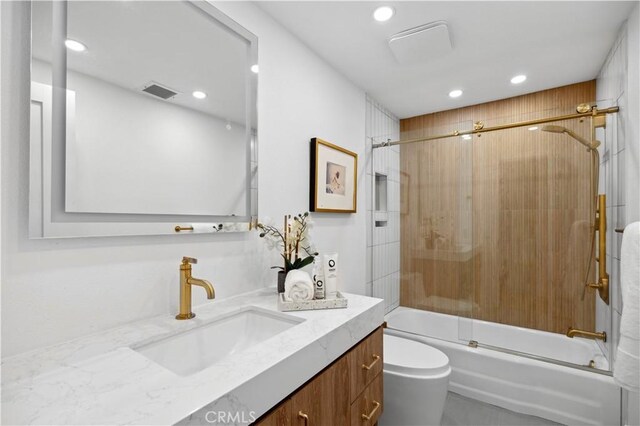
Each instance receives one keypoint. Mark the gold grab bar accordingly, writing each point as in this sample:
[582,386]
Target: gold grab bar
[601,226]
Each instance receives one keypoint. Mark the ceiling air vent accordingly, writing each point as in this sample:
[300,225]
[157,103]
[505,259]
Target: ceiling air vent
[421,44]
[159,91]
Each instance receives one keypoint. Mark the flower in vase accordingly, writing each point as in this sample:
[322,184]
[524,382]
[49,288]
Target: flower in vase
[293,241]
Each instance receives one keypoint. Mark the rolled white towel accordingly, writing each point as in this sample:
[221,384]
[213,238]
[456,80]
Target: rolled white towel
[298,286]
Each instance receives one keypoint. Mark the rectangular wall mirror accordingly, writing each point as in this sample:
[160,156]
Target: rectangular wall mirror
[143,119]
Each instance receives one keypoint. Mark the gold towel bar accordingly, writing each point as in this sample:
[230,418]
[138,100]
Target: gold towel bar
[216,228]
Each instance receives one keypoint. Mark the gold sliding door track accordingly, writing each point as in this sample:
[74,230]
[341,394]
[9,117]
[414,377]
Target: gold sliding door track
[583,110]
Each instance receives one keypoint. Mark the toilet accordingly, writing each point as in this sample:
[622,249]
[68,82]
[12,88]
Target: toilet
[416,378]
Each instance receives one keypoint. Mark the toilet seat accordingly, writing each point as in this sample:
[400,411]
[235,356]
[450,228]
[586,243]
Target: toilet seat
[409,357]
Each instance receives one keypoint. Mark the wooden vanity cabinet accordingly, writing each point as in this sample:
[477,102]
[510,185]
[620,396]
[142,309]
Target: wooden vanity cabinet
[279,416]
[325,399]
[348,392]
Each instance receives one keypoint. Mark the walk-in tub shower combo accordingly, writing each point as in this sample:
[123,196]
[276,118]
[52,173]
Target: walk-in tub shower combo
[502,242]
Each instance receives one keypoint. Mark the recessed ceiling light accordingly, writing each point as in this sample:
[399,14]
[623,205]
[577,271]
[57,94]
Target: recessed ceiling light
[455,93]
[383,13]
[533,128]
[74,45]
[255,68]
[199,95]
[518,79]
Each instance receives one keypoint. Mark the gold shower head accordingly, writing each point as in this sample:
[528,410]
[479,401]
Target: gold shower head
[580,139]
[554,129]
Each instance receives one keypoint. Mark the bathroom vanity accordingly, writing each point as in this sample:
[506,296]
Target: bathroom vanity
[237,359]
[349,391]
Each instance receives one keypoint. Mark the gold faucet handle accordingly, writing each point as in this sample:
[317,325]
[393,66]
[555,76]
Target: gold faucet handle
[191,260]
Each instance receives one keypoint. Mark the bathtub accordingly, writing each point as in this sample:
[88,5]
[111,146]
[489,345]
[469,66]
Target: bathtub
[567,392]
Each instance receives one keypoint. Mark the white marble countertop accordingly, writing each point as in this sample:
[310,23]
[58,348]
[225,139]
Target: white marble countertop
[99,379]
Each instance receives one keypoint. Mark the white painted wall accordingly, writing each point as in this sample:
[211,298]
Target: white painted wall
[59,289]
[620,176]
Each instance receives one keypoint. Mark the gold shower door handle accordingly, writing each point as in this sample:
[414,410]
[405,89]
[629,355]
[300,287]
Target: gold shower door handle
[304,417]
[376,358]
[366,417]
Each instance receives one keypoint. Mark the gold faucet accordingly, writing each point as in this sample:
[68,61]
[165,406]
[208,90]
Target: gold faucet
[572,332]
[186,281]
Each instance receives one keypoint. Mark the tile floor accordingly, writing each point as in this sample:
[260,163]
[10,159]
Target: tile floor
[462,411]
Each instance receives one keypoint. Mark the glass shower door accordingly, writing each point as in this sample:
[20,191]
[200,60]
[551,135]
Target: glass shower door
[533,224]
[436,266]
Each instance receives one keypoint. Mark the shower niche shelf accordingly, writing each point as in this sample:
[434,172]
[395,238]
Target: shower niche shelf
[380,197]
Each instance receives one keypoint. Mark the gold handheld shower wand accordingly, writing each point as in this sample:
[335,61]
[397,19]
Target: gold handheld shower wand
[598,208]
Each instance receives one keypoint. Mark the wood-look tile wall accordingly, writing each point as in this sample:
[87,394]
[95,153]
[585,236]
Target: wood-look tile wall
[497,227]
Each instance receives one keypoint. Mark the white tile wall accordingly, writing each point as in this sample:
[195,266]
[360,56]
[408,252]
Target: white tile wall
[383,243]
[611,89]
[618,81]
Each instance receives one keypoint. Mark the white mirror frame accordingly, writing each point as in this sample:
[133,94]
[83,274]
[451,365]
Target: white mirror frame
[47,216]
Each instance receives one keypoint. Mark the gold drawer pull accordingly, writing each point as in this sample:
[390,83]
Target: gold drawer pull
[376,358]
[304,417]
[376,405]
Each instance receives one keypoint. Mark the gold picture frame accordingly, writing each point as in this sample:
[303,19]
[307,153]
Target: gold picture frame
[334,178]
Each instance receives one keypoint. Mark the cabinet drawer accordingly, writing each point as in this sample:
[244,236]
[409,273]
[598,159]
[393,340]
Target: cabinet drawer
[366,410]
[324,400]
[365,363]
[280,416]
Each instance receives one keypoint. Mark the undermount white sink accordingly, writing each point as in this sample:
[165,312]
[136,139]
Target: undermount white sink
[194,350]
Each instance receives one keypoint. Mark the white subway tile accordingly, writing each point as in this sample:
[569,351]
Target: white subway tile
[619,221]
[378,253]
[615,333]
[386,261]
[379,236]
[621,122]
[378,290]
[369,191]
[614,286]
[611,251]
[369,264]
[608,183]
[602,177]
[620,183]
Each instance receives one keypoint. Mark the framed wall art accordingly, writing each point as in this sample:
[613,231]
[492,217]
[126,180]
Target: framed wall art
[334,180]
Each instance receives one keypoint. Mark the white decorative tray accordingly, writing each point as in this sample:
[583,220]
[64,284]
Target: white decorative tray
[306,305]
